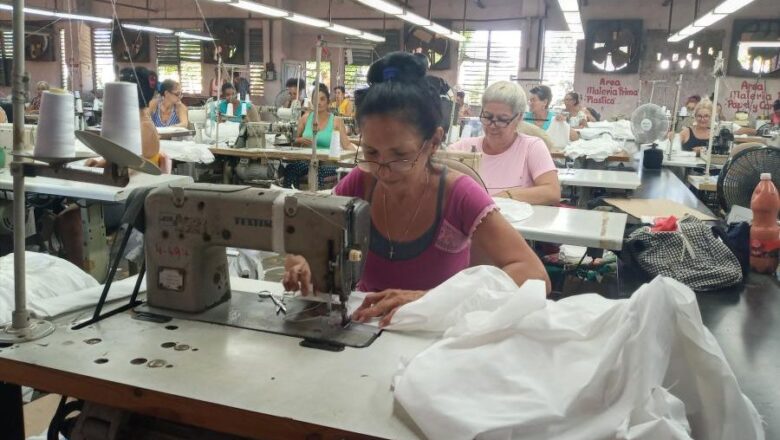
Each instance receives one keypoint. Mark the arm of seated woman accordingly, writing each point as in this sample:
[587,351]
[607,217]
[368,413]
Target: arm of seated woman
[184,118]
[546,190]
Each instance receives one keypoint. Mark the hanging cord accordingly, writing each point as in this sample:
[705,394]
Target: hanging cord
[117,23]
[71,65]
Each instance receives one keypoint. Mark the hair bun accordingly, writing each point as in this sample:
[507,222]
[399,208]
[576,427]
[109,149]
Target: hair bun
[397,66]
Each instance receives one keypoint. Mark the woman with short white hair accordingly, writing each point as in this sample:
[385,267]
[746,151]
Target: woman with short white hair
[513,165]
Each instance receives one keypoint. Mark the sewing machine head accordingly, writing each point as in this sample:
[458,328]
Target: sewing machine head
[253,134]
[188,228]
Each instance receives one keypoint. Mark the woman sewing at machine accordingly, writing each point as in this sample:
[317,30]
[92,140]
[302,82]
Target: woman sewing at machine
[327,123]
[167,108]
[341,104]
[233,109]
[35,104]
[513,165]
[539,113]
[424,218]
[697,137]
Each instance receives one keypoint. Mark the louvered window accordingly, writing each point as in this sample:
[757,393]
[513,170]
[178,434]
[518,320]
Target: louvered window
[102,57]
[64,61]
[179,59]
[560,57]
[355,77]
[311,72]
[487,57]
[7,54]
[256,66]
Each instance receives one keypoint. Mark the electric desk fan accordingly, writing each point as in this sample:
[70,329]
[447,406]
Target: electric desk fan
[649,124]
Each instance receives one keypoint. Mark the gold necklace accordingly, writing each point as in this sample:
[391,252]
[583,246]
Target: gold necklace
[414,216]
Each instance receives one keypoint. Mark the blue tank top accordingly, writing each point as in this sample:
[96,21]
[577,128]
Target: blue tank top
[157,117]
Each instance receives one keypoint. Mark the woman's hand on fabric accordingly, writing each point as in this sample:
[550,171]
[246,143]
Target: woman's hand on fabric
[384,304]
[303,141]
[297,275]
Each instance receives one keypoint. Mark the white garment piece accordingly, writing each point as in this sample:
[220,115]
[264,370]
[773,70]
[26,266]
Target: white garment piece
[618,130]
[187,151]
[78,299]
[513,210]
[559,133]
[512,364]
[597,149]
[47,277]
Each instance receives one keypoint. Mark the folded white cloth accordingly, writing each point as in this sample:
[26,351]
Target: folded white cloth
[514,210]
[187,151]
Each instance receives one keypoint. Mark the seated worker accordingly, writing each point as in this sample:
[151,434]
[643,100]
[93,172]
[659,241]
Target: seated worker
[578,116]
[240,108]
[35,104]
[690,105]
[513,165]
[146,81]
[425,219]
[167,108]
[461,105]
[326,123]
[697,137]
[294,88]
[341,104]
[775,119]
[539,112]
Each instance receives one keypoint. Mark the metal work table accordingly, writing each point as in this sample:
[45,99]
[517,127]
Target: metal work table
[626,180]
[238,381]
[664,184]
[282,154]
[578,227]
[89,191]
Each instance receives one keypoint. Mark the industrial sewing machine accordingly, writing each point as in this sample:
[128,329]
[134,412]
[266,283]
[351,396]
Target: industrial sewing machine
[254,134]
[188,228]
[723,141]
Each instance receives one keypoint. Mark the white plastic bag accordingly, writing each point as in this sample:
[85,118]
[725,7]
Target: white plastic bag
[559,133]
[514,365]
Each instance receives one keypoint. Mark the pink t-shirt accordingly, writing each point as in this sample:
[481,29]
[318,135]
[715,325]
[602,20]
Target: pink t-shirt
[424,263]
[524,161]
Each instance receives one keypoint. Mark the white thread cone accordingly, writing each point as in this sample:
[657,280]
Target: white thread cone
[121,116]
[56,136]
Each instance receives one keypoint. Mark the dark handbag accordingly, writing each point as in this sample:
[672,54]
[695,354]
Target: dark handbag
[693,255]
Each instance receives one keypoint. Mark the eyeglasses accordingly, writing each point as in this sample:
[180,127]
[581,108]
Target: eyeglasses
[488,120]
[397,166]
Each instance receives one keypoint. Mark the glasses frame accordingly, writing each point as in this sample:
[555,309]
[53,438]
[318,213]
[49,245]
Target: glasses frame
[389,164]
[495,122]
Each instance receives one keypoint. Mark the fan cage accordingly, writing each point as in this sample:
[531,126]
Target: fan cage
[742,172]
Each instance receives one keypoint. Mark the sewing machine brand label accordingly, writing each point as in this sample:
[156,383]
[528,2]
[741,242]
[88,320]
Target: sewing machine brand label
[253,222]
[183,223]
[170,279]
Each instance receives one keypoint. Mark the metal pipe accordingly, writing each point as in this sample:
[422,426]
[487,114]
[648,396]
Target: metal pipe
[718,73]
[674,112]
[671,9]
[21,316]
[314,165]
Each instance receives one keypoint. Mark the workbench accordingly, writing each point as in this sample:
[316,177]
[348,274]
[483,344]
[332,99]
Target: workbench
[93,195]
[578,227]
[625,180]
[237,381]
[290,153]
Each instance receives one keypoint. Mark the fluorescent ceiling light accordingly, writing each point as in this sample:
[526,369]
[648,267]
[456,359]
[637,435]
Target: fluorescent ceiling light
[194,36]
[569,5]
[572,17]
[372,37]
[153,29]
[750,44]
[437,28]
[260,9]
[309,21]
[344,30]
[35,11]
[383,6]
[708,19]
[414,19]
[730,6]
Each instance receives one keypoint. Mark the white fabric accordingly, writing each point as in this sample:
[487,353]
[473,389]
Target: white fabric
[513,210]
[619,130]
[47,277]
[187,151]
[73,300]
[559,133]
[512,364]
[597,149]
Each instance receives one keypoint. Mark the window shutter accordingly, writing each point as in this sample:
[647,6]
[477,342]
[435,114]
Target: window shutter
[487,57]
[190,53]
[64,62]
[102,57]
[355,77]
[560,52]
[7,53]
[256,65]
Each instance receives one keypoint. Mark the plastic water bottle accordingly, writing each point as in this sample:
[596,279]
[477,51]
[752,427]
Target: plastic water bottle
[335,145]
[764,232]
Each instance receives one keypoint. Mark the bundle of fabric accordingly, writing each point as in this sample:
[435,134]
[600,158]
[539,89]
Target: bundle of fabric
[187,151]
[511,364]
[597,149]
[618,130]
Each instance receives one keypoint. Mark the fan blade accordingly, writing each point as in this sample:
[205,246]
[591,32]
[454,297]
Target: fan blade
[599,55]
[619,58]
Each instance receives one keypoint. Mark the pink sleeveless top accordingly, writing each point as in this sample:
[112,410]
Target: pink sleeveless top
[438,254]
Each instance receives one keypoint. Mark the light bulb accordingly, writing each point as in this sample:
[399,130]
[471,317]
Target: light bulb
[689,57]
[658,56]
[690,44]
[682,63]
[675,57]
[665,64]
[695,64]
[698,50]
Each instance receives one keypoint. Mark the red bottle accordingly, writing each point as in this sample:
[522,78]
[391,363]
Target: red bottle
[764,232]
